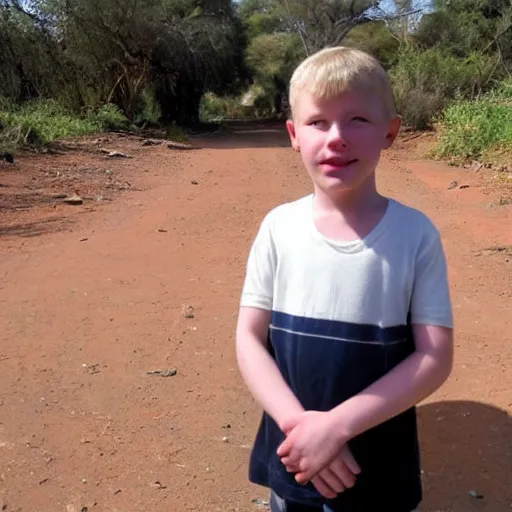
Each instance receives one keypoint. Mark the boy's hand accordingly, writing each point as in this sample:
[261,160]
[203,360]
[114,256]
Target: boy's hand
[313,441]
[338,476]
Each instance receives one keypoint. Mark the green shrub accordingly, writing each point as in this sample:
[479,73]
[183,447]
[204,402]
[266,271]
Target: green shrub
[147,109]
[474,129]
[426,81]
[43,121]
[214,108]
[377,39]
[176,133]
[110,117]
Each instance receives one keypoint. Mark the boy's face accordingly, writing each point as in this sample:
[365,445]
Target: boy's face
[341,139]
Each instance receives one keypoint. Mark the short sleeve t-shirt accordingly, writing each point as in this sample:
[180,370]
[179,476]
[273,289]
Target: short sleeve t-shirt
[341,319]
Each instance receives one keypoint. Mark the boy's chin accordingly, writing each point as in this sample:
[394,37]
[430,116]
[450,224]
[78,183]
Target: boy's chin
[337,185]
[344,183]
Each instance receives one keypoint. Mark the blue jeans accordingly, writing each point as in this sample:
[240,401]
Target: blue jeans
[277,504]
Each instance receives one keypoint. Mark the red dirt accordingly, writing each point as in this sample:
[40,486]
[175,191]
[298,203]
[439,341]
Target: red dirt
[93,298]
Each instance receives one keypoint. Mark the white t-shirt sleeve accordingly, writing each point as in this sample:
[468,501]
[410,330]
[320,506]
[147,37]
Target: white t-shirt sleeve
[431,303]
[258,289]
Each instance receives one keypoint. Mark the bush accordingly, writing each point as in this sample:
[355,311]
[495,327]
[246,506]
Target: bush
[214,108]
[176,133]
[43,121]
[426,81]
[475,129]
[272,59]
[147,109]
[377,39]
[110,117]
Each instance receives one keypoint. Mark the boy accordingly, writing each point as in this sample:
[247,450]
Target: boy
[345,321]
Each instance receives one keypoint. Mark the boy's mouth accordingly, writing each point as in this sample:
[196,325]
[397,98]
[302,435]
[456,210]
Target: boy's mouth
[339,163]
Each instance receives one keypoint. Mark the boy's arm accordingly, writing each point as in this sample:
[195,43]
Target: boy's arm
[267,385]
[404,386]
[429,366]
[317,436]
[259,369]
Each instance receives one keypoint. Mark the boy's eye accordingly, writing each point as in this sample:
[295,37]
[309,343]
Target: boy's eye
[317,123]
[360,119]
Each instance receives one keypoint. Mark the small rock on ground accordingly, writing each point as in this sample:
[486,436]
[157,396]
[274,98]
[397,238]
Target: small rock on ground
[178,145]
[74,199]
[171,372]
[260,503]
[187,311]
[151,142]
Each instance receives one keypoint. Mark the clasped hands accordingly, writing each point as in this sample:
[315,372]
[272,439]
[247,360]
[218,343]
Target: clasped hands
[315,451]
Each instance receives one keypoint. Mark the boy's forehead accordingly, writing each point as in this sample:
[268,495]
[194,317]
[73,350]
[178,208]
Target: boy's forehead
[307,102]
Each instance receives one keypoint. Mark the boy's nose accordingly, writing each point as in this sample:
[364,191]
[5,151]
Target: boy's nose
[336,136]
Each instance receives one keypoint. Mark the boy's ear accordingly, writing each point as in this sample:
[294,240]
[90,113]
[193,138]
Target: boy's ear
[293,137]
[393,130]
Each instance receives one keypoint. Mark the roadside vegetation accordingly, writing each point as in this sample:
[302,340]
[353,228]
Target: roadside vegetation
[76,67]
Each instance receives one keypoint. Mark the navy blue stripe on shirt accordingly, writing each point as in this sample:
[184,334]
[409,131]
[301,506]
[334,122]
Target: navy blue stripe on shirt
[342,331]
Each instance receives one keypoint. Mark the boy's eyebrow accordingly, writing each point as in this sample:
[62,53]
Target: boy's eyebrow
[311,115]
[360,111]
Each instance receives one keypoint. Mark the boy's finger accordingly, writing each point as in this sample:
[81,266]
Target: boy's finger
[304,475]
[290,461]
[291,464]
[350,461]
[285,447]
[341,470]
[323,487]
[332,480]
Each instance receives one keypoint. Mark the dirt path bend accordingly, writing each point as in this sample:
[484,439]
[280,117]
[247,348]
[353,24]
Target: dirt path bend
[92,302]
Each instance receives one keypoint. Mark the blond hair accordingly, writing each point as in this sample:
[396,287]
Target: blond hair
[334,71]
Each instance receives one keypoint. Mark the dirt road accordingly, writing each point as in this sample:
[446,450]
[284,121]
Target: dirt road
[145,275]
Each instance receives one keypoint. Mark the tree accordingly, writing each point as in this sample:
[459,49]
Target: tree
[88,52]
[260,17]
[30,56]
[463,26]
[322,23]
[377,39]
[272,58]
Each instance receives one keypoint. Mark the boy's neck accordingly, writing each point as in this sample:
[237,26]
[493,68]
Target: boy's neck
[364,200]
[348,217]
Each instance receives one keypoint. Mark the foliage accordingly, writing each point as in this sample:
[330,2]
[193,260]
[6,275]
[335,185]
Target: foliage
[472,129]
[321,23]
[172,62]
[42,122]
[260,17]
[272,59]
[216,109]
[86,53]
[426,81]
[377,39]
[463,27]
[255,103]
[147,110]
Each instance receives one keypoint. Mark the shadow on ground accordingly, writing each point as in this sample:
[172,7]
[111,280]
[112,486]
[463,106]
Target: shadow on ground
[244,134]
[22,201]
[467,457]
[36,228]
